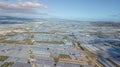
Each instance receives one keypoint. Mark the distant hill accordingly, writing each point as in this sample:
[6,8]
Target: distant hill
[106,24]
[19,20]
[13,20]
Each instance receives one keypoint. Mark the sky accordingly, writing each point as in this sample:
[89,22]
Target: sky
[83,10]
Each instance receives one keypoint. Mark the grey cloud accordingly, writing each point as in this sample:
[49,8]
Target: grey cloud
[22,7]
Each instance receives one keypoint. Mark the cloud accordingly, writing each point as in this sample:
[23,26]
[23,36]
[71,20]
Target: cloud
[21,7]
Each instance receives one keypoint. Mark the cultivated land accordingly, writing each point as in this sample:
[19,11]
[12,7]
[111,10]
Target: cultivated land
[60,44]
